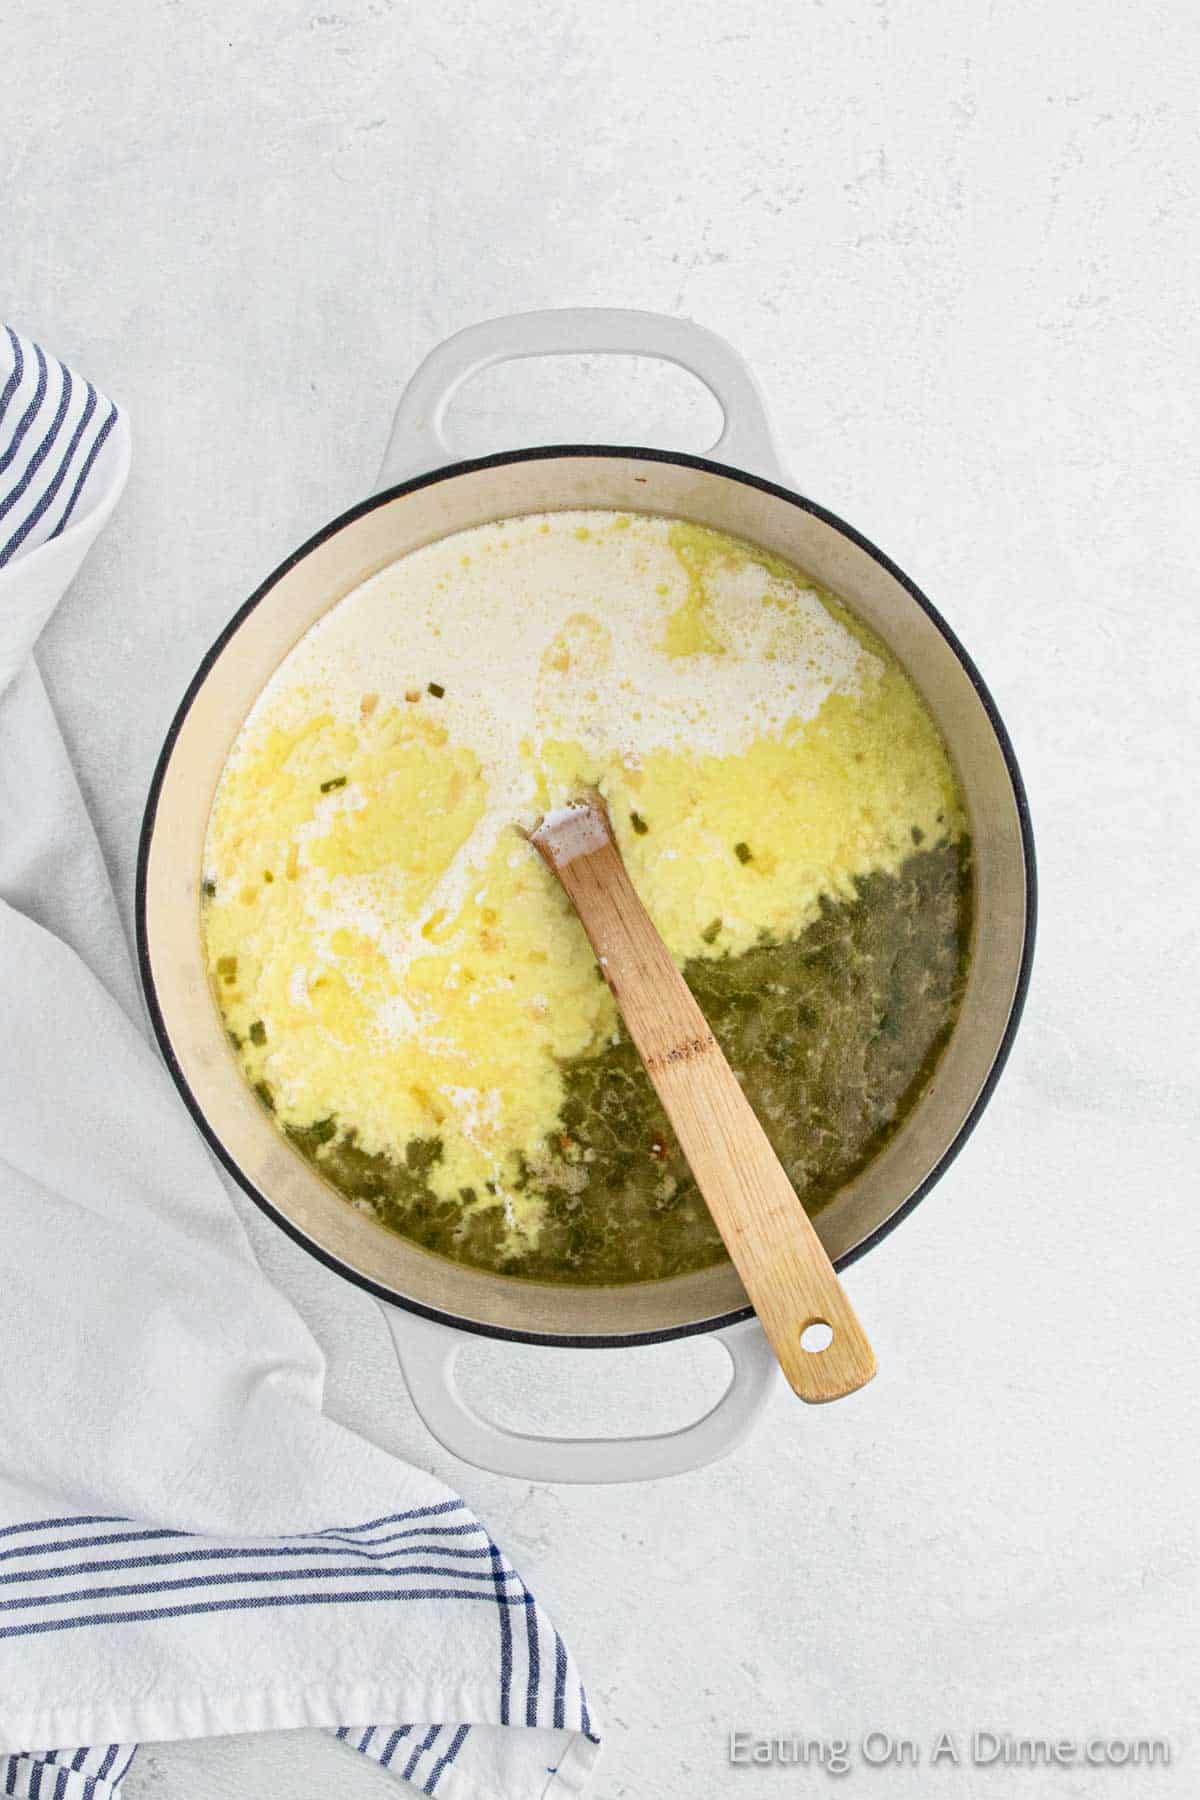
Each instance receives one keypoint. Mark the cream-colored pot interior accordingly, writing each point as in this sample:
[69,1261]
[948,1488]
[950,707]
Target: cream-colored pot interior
[354,548]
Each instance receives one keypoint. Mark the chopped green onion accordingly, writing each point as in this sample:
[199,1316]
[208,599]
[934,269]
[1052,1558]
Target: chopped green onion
[742,852]
[331,786]
[436,689]
[258,1032]
[709,934]
[639,824]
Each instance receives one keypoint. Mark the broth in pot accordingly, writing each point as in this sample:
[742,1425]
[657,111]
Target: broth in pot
[405,986]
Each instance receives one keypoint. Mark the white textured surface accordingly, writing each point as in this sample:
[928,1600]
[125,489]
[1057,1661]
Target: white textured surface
[954,243]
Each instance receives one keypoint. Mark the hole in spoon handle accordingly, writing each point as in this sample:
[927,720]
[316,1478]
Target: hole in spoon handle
[816,1336]
[824,1353]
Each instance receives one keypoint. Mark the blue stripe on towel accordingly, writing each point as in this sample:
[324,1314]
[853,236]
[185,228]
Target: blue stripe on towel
[416,1512]
[535,1660]
[30,413]
[427,1743]
[160,1558]
[62,1524]
[39,456]
[560,1679]
[505,1636]
[112,1537]
[447,1757]
[411,1531]
[86,470]
[18,369]
[393,1744]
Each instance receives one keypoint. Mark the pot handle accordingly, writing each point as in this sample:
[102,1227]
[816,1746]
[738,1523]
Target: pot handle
[428,1351]
[418,443]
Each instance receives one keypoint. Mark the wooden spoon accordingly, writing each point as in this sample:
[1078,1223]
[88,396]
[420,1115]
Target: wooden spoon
[782,1263]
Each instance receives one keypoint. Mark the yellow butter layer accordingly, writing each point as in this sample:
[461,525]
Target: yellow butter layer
[353,997]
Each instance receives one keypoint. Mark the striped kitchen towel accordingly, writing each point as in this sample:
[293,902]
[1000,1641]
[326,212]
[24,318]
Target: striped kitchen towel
[55,429]
[188,1545]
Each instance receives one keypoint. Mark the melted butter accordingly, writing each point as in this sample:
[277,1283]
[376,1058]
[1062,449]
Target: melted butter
[691,629]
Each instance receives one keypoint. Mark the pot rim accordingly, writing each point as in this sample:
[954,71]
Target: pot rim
[542,453]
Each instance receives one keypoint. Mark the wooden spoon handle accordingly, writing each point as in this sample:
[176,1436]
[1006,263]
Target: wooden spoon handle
[787,1275]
